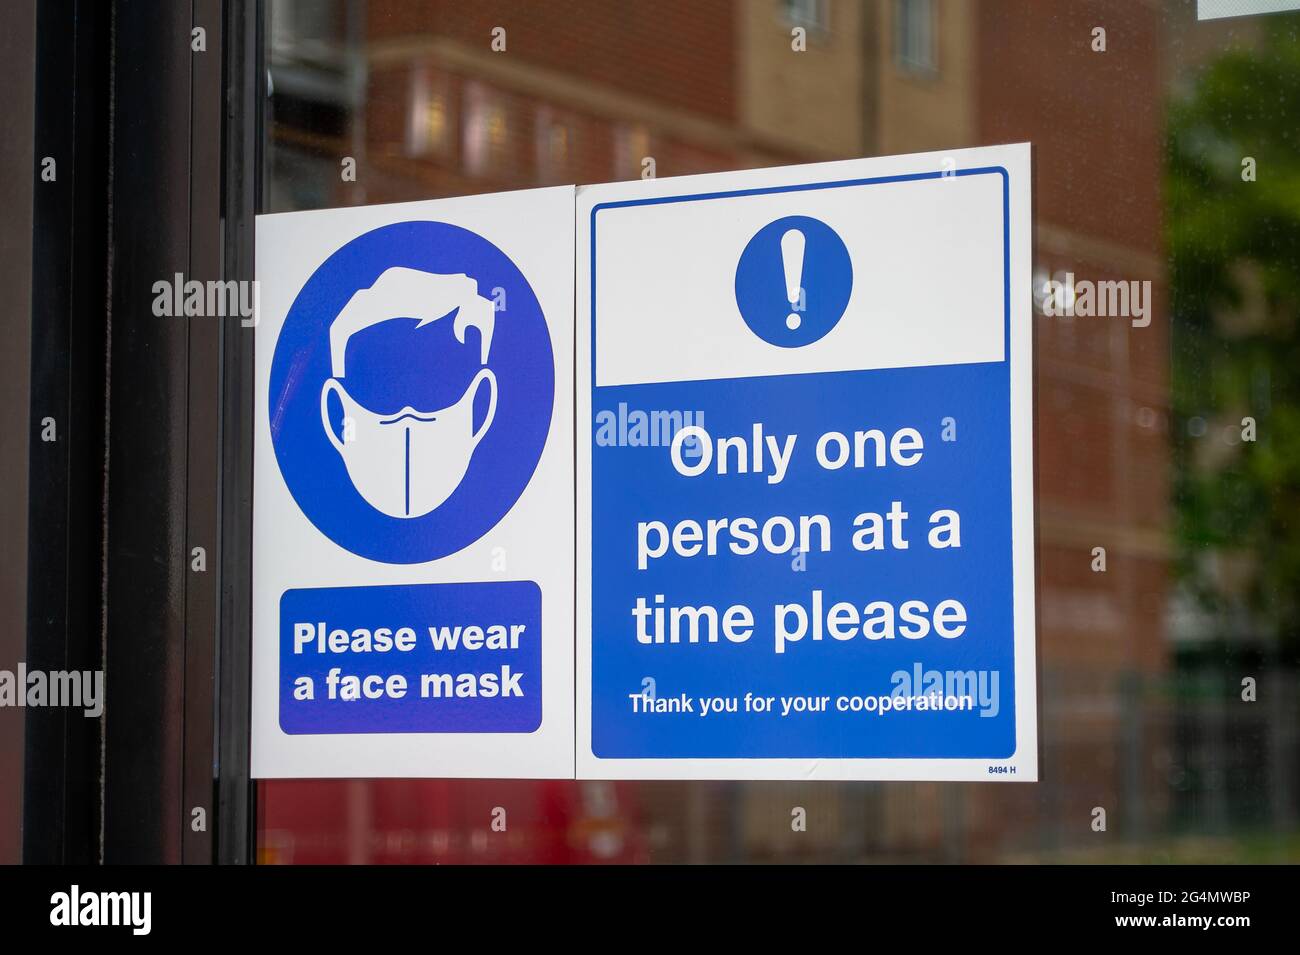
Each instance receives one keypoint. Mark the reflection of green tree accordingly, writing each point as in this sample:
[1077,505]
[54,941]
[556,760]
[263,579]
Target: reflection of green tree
[1235,248]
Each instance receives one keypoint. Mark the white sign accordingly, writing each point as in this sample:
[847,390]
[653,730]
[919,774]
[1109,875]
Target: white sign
[1218,9]
[413,500]
[805,472]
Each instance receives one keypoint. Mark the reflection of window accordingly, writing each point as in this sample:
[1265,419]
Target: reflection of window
[812,15]
[487,131]
[429,118]
[631,149]
[554,145]
[299,28]
[914,35]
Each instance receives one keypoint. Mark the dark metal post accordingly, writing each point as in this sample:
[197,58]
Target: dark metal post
[242,162]
[185,161]
[66,433]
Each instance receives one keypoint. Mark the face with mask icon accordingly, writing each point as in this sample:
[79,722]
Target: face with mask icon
[408,462]
[411,390]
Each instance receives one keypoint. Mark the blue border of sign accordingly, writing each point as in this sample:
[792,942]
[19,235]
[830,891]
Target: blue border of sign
[808,187]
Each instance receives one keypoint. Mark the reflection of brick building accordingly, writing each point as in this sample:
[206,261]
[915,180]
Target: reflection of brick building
[586,91]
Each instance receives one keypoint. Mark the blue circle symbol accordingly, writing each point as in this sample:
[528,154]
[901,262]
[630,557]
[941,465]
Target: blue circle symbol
[793,281]
[411,391]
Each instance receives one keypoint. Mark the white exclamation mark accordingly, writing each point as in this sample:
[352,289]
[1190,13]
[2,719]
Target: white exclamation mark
[792,244]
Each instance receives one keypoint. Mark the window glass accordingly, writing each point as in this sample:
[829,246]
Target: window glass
[1167,439]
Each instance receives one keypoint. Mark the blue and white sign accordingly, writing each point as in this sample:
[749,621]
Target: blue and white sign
[413,549]
[805,523]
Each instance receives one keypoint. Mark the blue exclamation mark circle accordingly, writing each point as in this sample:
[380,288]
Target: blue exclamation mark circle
[793,281]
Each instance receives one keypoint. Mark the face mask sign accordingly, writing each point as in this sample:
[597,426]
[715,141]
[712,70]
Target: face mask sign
[413,490]
[411,391]
[407,463]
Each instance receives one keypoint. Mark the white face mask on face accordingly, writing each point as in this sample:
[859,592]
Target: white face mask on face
[406,464]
